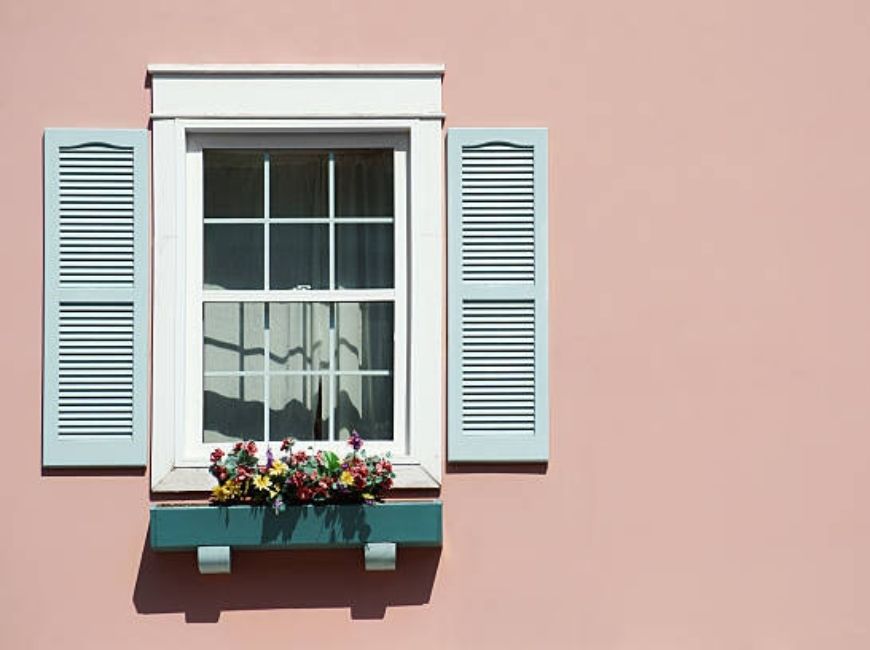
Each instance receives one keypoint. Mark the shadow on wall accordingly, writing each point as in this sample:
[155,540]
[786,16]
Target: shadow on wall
[170,582]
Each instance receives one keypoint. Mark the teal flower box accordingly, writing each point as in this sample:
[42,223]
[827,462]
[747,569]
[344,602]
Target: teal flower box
[215,530]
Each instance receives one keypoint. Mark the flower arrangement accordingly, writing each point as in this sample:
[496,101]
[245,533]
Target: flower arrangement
[299,477]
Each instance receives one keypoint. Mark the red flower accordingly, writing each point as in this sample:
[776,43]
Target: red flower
[304,494]
[287,443]
[251,447]
[237,447]
[383,467]
[216,455]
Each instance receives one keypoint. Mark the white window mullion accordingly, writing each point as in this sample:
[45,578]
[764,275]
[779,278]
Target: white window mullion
[266,383]
[267,435]
[333,379]
[300,295]
[331,203]
[266,209]
[300,373]
[295,220]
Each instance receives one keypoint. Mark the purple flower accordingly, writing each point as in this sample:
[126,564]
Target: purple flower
[355,440]
[270,458]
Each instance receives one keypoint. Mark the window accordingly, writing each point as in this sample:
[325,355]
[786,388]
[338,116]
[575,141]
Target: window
[302,289]
[298,264]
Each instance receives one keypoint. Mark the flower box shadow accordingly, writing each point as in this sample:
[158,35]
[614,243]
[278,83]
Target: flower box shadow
[315,558]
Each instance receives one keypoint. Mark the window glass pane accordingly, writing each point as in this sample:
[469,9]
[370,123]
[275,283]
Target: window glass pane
[364,183]
[364,256]
[299,256]
[299,336]
[365,335]
[298,405]
[298,184]
[233,256]
[233,183]
[233,408]
[365,403]
[233,334]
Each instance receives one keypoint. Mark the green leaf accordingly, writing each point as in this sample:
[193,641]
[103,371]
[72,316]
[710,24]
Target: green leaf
[331,460]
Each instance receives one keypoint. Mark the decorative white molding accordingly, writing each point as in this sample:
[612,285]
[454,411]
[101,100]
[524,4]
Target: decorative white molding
[155,69]
[313,116]
[296,91]
[268,93]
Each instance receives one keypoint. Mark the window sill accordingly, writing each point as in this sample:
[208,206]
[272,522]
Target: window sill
[198,479]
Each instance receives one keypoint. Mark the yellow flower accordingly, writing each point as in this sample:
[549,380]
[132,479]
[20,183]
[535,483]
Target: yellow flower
[368,497]
[230,490]
[217,493]
[346,478]
[262,482]
[279,468]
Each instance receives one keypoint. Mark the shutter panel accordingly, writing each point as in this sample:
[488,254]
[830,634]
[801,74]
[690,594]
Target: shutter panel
[95,394]
[497,302]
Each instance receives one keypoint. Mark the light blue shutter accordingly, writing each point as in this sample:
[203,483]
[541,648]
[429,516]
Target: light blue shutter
[95,393]
[497,295]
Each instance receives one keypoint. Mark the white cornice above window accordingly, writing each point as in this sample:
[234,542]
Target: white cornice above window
[296,91]
[296,68]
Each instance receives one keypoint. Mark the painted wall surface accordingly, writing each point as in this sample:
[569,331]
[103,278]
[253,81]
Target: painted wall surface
[710,328]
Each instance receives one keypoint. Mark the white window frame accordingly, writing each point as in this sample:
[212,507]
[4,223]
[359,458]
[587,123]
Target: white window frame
[190,103]
[189,447]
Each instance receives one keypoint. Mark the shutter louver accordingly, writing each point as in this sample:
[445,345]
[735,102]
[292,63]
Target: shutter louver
[96,215]
[498,367]
[497,303]
[498,213]
[96,298]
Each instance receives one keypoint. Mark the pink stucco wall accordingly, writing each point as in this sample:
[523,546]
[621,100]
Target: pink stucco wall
[710,324]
